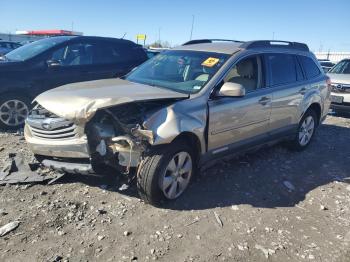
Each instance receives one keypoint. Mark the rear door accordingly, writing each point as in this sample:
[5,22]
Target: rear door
[113,59]
[241,121]
[287,81]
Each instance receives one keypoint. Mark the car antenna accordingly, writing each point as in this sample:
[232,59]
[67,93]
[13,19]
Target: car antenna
[124,35]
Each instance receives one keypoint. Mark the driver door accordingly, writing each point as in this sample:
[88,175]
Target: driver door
[69,64]
[236,122]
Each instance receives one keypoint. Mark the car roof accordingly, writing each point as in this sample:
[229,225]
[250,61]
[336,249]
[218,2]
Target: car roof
[119,40]
[74,37]
[10,42]
[217,47]
[232,46]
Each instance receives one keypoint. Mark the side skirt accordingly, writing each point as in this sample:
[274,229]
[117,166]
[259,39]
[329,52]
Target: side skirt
[250,145]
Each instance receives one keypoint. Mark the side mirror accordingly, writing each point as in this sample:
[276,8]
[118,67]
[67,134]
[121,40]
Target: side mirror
[53,63]
[229,89]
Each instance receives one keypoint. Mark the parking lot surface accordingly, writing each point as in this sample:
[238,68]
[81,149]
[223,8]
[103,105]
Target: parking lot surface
[274,205]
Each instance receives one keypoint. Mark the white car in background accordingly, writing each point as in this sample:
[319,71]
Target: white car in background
[340,80]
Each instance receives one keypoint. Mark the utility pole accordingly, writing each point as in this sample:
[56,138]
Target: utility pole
[72,26]
[159,36]
[192,27]
[273,35]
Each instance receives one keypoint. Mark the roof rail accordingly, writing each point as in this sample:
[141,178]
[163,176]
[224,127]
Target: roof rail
[205,41]
[275,43]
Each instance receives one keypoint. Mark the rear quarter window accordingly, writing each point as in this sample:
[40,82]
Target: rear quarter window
[310,67]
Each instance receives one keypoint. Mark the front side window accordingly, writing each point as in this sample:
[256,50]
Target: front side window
[343,67]
[182,71]
[283,69]
[310,67]
[30,50]
[73,54]
[246,72]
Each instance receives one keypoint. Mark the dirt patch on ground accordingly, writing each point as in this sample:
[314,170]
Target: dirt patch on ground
[274,205]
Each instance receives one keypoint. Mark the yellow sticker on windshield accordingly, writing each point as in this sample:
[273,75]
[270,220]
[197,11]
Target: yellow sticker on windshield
[210,62]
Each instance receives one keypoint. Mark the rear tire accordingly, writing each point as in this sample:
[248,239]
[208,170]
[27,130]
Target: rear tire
[306,130]
[14,110]
[165,173]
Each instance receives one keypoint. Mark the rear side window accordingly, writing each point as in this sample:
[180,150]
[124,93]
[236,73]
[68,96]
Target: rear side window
[282,69]
[300,75]
[310,67]
[110,53]
[106,53]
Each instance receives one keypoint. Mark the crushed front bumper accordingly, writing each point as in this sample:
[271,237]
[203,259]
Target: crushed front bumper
[73,155]
[67,155]
[65,166]
[71,148]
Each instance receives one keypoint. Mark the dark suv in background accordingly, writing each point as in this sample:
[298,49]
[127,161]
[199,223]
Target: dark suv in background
[39,66]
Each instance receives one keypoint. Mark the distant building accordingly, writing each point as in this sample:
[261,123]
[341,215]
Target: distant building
[32,35]
[18,38]
[47,33]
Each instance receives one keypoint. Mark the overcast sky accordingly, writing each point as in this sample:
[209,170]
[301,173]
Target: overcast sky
[321,24]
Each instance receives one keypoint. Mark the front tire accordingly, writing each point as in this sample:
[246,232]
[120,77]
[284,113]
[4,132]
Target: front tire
[165,174]
[14,110]
[306,130]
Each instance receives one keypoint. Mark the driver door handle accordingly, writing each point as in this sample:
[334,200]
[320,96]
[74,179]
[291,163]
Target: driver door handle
[264,100]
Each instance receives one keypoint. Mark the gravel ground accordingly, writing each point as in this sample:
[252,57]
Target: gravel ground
[273,205]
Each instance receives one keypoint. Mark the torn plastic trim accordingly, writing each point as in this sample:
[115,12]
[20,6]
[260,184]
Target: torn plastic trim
[122,151]
[138,132]
[128,156]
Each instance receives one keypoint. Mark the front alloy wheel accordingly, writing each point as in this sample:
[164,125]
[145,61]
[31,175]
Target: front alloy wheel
[165,173]
[177,175]
[13,113]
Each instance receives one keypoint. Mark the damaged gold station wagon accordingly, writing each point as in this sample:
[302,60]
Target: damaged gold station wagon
[180,109]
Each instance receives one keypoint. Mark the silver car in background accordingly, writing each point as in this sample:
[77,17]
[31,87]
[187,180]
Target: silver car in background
[340,80]
[180,109]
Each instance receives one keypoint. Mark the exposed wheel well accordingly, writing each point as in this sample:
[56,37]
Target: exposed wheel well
[193,141]
[317,109]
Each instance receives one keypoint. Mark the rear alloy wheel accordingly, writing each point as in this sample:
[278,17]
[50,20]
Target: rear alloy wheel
[13,112]
[306,130]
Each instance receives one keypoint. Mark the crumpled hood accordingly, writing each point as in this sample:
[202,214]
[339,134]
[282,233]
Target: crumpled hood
[79,101]
[340,78]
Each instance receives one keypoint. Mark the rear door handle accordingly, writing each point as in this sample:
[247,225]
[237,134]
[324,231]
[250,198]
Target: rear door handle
[302,91]
[264,100]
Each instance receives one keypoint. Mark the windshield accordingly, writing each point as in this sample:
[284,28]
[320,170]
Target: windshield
[182,71]
[30,50]
[343,67]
